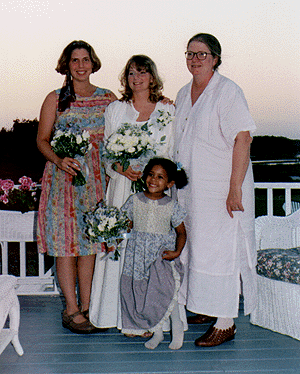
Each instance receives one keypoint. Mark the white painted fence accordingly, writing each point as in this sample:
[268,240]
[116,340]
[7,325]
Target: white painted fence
[21,227]
[289,205]
[18,227]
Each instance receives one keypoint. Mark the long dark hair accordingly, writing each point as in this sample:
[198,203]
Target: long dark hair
[67,93]
[174,172]
[141,62]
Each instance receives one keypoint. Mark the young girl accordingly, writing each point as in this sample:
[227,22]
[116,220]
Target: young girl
[152,270]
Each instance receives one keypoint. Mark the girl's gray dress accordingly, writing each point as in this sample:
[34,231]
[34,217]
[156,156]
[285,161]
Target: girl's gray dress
[149,284]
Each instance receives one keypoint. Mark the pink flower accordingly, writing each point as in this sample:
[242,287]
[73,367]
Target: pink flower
[4,198]
[7,185]
[26,183]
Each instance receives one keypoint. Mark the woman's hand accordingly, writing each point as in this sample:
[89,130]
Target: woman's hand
[170,255]
[234,201]
[69,165]
[166,100]
[129,173]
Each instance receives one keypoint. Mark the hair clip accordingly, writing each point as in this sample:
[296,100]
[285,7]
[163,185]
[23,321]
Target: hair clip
[179,166]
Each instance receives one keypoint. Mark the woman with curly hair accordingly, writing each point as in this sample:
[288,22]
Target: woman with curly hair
[141,103]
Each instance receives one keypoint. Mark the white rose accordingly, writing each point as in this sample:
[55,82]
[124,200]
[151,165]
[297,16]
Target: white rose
[85,135]
[78,139]
[111,222]
[101,227]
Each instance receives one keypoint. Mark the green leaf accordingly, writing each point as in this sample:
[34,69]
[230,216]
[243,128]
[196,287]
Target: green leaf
[145,127]
[125,164]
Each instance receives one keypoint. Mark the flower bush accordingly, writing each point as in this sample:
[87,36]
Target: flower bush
[23,198]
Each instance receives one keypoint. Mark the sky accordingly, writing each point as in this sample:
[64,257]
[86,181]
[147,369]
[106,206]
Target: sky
[260,42]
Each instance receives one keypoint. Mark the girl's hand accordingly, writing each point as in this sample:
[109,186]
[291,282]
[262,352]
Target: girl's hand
[129,173]
[170,255]
[234,201]
[69,165]
[108,249]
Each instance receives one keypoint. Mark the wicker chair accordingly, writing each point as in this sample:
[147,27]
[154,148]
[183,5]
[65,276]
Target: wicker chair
[278,241]
[9,307]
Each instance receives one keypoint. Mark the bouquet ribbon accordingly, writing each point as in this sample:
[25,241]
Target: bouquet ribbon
[112,242]
[81,177]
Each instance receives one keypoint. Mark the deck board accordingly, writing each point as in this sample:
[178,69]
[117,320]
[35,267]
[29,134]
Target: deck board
[51,349]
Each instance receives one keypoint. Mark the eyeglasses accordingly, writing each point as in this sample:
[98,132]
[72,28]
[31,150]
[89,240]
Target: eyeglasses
[189,55]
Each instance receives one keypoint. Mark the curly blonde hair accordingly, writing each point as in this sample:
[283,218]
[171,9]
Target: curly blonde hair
[141,62]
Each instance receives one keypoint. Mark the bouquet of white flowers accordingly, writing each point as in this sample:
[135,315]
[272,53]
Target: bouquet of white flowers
[106,224]
[132,145]
[72,143]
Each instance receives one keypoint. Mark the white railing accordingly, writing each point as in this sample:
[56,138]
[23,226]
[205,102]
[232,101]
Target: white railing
[289,205]
[21,228]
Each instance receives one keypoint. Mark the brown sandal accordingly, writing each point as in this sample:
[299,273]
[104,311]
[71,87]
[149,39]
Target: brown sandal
[78,328]
[96,329]
[146,334]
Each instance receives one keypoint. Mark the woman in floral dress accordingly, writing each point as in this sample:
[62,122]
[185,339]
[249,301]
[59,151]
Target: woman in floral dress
[60,222]
[140,103]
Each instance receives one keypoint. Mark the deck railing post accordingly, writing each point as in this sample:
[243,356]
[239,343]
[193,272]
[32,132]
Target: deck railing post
[270,202]
[288,201]
[22,260]
[4,254]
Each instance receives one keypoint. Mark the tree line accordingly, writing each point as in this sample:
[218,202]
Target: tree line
[19,154]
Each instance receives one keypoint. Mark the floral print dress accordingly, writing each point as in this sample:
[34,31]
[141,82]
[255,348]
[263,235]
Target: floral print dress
[60,220]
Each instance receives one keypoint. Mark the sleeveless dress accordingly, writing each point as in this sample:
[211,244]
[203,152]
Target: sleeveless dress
[60,230]
[149,285]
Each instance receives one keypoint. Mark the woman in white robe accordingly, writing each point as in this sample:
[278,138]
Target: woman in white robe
[140,103]
[212,141]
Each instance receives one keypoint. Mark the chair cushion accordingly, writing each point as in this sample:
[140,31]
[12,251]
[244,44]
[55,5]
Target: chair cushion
[279,264]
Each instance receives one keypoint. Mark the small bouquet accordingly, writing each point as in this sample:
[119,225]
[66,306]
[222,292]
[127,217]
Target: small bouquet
[106,224]
[132,145]
[22,198]
[163,119]
[72,143]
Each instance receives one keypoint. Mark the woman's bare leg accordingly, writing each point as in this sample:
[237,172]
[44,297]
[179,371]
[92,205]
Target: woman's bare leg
[66,268]
[85,271]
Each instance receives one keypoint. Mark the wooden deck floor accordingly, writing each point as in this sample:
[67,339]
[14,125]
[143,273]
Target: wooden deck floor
[49,348]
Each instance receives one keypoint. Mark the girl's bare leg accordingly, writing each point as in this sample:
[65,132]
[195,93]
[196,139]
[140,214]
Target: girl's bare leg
[85,271]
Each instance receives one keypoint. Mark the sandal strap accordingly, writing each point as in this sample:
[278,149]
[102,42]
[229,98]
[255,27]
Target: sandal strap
[72,316]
